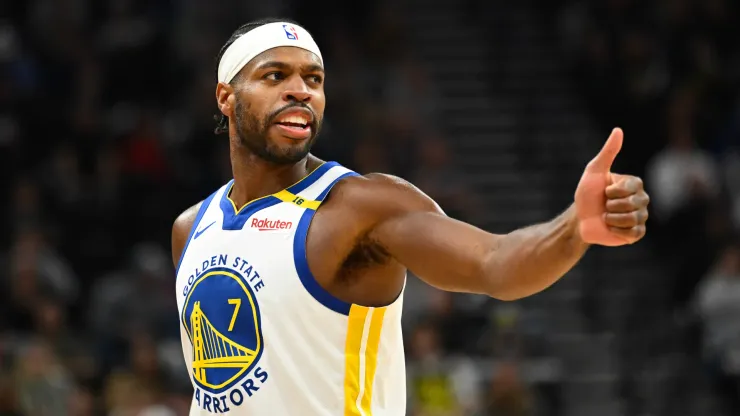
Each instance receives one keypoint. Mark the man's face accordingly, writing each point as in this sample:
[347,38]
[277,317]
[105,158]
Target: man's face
[278,104]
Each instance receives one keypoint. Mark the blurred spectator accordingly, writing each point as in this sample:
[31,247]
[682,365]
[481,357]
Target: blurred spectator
[36,271]
[135,299]
[685,184]
[26,203]
[439,387]
[63,181]
[44,385]
[681,175]
[408,94]
[82,403]
[731,165]
[508,395]
[437,175]
[8,397]
[718,303]
[371,156]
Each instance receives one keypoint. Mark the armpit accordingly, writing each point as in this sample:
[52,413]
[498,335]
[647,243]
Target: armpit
[366,253]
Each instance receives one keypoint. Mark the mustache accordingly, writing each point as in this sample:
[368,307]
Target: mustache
[314,120]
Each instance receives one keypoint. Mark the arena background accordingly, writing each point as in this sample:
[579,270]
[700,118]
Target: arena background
[491,107]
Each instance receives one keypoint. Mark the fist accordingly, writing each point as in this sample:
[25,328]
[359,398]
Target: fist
[611,208]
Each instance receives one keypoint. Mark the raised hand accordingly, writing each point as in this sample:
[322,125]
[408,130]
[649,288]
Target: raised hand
[611,208]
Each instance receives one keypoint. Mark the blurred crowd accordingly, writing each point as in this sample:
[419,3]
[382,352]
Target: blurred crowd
[106,134]
[669,72]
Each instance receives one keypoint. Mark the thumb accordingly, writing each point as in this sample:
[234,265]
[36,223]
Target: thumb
[604,160]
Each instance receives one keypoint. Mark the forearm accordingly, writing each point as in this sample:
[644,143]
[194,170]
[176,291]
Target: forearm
[531,259]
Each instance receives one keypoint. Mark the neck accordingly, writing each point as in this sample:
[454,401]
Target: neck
[255,177]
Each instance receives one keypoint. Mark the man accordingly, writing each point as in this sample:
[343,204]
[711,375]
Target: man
[290,296]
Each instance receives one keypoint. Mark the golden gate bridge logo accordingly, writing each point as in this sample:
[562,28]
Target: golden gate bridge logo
[223,323]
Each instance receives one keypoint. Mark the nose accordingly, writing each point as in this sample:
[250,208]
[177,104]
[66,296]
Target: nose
[297,91]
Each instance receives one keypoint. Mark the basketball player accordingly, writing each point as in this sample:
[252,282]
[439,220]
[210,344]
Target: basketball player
[290,277]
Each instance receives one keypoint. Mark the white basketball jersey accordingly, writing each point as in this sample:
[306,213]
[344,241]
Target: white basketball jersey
[260,336]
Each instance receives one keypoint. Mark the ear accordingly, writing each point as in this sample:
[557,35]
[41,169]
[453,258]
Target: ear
[225,98]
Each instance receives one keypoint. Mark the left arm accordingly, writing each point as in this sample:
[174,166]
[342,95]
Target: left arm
[608,210]
[455,256]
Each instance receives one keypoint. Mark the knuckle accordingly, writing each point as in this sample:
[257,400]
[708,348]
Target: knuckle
[644,215]
[639,231]
[617,205]
[616,220]
[633,234]
[633,200]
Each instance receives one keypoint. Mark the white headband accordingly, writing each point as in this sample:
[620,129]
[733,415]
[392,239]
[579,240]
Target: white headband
[260,39]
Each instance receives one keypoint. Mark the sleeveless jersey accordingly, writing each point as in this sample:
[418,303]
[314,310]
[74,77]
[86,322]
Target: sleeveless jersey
[260,336]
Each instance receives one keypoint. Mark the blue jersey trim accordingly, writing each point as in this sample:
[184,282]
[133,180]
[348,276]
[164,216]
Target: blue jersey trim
[312,177]
[198,217]
[234,219]
[235,222]
[301,261]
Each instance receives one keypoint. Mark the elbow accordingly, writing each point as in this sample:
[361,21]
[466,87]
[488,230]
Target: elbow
[506,295]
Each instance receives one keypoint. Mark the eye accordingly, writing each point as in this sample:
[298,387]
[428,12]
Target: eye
[274,76]
[318,79]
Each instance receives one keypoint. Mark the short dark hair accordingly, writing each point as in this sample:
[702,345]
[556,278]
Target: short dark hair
[222,122]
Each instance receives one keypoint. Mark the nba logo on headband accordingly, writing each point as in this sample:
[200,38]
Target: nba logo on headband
[260,39]
[290,32]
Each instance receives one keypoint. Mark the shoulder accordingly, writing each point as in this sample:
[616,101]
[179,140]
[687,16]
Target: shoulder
[378,196]
[181,230]
[184,221]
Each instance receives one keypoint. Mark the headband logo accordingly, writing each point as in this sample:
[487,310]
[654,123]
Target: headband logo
[290,32]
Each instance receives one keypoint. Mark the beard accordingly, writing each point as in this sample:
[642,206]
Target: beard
[253,134]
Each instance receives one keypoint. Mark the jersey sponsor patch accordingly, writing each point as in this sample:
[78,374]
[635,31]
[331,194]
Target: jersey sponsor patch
[266,224]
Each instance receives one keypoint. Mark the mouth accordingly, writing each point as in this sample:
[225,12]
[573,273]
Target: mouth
[295,123]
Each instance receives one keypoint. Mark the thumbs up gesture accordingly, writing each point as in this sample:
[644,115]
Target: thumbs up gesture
[611,208]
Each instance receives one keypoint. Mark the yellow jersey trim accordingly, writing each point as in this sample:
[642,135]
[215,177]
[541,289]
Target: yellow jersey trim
[364,327]
[276,195]
[292,198]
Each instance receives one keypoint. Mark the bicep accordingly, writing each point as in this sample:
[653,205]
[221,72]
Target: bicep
[443,252]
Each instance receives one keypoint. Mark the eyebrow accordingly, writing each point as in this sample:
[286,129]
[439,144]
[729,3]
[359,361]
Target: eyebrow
[283,65]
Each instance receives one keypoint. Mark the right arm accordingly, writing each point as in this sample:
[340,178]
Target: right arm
[181,232]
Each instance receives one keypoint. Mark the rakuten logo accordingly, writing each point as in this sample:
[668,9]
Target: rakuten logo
[268,225]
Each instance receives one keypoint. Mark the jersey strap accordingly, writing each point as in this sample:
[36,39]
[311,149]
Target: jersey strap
[299,244]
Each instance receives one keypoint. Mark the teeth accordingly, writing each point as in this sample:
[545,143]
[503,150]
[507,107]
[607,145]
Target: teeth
[294,119]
